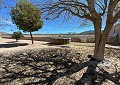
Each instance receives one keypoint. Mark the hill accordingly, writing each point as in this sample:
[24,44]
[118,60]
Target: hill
[3,33]
[90,32]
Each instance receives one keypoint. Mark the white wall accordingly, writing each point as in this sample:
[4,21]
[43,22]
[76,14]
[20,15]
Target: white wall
[114,32]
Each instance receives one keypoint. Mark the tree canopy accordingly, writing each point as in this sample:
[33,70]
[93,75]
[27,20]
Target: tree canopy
[26,16]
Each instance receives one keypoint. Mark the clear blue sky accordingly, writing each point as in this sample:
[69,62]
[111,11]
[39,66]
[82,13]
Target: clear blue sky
[51,27]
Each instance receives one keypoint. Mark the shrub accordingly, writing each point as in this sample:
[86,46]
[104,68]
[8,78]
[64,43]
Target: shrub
[17,35]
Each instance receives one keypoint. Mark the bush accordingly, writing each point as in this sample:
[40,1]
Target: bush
[17,35]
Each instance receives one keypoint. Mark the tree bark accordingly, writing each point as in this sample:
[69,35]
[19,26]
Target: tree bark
[99,53]
[99,47]
[31,37]
[101,41]
[97,28]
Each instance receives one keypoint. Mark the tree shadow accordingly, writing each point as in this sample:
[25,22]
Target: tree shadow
[57,45]
[99,76]
[11,42]
[9,45]
[44,66]
[115,44]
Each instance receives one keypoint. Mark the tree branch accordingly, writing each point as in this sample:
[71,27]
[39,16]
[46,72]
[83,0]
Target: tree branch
[92,10]
[116,17]
[104,8]
[74,7]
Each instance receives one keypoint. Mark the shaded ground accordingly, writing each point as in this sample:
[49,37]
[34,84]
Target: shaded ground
[12,45]
[54,65]
[51,66]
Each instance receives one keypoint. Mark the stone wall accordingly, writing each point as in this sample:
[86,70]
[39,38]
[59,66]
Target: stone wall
[90,40]
[73,39]
[46,39]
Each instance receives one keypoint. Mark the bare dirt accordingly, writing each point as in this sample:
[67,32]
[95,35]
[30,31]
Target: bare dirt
[44,64]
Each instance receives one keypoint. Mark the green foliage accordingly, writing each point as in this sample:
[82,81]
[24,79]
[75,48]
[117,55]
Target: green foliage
[26,16]
[17,35]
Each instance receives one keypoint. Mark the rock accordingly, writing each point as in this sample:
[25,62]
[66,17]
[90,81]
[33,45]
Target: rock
[2,70]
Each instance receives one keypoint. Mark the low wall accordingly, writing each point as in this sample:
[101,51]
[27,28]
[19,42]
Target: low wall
[73,39]
[60,41]
[90,40]
[46,39]
[7,37]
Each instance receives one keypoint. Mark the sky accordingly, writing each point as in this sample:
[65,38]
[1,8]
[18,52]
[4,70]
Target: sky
[57,26]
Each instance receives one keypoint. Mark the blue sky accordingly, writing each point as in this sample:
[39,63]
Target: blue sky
[50,27]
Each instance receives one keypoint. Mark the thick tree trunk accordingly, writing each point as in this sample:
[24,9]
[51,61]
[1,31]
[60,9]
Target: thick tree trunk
[101,41]
[97,27]
[31,37]
[90,76]
[99,53]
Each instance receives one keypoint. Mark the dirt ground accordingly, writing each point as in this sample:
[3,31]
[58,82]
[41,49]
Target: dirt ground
[44,64]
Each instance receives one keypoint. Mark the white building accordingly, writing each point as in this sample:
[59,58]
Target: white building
[115,32]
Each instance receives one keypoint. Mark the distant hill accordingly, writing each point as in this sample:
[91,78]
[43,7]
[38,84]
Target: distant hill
[90,32]
[4,33]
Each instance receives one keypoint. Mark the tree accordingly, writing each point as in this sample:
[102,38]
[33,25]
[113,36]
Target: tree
[95,11]
[92,10]
[27,17]
[17,35]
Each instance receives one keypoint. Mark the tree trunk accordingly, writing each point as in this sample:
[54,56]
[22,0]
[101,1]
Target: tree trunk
[97,28]
[31,37]
[99,53]
[90,76]
[101,41]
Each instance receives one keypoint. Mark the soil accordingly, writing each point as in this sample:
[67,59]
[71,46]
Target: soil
[45,64]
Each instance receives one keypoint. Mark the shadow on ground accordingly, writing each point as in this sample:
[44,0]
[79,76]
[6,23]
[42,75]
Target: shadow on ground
[117,44]
[41,67]
[57,45]
[10,45]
